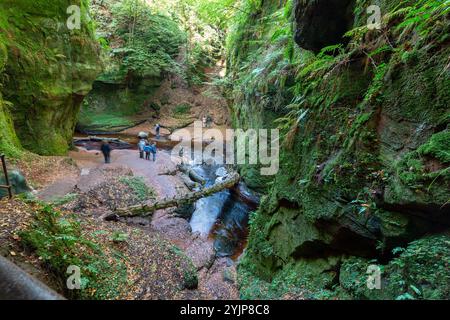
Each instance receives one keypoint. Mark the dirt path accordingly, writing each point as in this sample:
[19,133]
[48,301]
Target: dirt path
[164,185]
[217,277]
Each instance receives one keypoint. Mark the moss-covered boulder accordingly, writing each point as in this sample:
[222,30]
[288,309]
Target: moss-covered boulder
[49,70]
[17,181]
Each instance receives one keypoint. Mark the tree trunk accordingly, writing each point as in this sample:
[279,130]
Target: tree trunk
[148,209]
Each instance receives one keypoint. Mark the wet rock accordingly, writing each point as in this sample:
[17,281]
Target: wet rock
[229,262]
[220,179]
[247,195]
[185,211]
[221,172]
[196,235]
[143,135]
[225,243]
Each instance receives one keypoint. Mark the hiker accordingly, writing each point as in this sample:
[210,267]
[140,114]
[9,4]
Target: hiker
[204,121]
[209,121]
[106,150]
[147,150]
[181,154]
[158,130]
[141,146]
[154,149]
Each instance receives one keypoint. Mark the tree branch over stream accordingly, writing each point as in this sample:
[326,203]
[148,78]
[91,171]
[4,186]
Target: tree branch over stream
[147,209]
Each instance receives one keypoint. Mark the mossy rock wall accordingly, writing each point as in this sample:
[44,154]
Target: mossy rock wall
[9,143]
[365,124]
[112,107]
[50,69]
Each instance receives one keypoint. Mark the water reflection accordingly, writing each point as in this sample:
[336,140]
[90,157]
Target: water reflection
[222,216]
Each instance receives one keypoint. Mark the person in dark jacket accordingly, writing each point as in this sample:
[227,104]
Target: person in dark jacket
[153,151]
[141,145]
[106,150]
[209,121]
[158,131]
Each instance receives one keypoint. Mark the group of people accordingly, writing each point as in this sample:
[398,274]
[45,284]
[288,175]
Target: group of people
[147,150]
[207,121]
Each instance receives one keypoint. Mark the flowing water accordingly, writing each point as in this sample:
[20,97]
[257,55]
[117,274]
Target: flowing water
[222,217]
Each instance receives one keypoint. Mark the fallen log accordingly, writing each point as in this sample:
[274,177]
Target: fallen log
[96,139]
[147,209]
[168,173]
[115,142]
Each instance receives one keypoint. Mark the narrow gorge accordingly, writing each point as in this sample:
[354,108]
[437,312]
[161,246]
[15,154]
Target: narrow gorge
[357,90]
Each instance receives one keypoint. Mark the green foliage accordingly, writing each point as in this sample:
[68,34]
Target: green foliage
[216,13]
[260,69]
[9,143]
[419,272]
[59,241]
[140,188]
[65,199]
[206,24]
[182,109]
[190,279]
[412,169]
[152,36]
[150,42]
[119,237]
[438,147]
[423,14]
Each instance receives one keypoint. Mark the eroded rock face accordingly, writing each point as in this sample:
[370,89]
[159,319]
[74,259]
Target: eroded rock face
[364,173]
[48,72]
[321,23]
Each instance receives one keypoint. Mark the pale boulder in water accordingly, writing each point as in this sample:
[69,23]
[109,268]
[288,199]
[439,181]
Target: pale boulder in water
[143,135]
